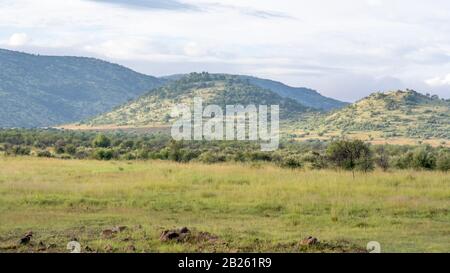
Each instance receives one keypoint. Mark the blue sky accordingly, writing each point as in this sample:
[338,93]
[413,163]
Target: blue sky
[345,49]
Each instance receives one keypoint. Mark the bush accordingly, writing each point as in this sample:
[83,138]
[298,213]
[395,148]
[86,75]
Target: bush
[212,157]
[424,159]
[44,153]
[101,141]
[18,150]
[104,154]
[443,162]
[382,159]
[291,161]
[351,155]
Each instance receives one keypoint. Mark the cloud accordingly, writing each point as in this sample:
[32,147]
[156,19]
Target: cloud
[342,48]
[18,39]
[249,11]
[439,81]
[150,4]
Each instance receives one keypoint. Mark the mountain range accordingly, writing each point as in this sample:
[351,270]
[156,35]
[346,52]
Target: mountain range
[45,91]
[38,91]
[41,91]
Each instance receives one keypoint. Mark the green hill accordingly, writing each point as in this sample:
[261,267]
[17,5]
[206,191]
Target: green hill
[393,114]
[220,89]
[38,91]
[305,96]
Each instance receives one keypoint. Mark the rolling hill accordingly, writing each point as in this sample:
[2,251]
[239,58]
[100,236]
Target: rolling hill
[305,96]
[38,91]
[393,114]
[220,89]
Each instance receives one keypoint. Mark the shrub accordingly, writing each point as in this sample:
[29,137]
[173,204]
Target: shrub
[351,155]
[382,159]
[292,162]
[443,161]
[423,158]
[44,153]
[104,154]
[101,141]
[18,150]
[212,157]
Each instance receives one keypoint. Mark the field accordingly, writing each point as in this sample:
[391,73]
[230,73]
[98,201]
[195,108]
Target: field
[243,207]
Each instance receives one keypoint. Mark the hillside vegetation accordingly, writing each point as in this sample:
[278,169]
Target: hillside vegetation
[302,95]
[394,114]
[38,91]
[155,107]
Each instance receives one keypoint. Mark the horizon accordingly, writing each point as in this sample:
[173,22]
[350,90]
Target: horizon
[345,50]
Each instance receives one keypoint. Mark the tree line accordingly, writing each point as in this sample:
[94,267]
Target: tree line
[352,155]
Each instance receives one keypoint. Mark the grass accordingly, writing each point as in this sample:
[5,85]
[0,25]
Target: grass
[250,208]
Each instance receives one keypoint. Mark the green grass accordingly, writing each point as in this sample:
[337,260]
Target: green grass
[250,208]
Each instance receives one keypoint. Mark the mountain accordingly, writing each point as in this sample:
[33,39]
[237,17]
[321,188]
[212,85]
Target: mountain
[37,91]
[219,89]
[393,114]
[305,96]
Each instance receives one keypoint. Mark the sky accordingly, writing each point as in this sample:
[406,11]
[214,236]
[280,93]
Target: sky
[345,49]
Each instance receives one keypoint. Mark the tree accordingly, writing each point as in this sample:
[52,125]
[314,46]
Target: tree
[443,162]
[424,158]
[382,159]
[351,155]
[101,141]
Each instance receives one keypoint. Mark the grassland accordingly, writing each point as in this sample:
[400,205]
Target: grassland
[251,208]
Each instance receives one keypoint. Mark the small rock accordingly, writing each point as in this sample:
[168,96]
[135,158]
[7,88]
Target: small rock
[26,239]
[131,248]
[184,230]
[308,241]
[168,235]
[107,233]
[42,246]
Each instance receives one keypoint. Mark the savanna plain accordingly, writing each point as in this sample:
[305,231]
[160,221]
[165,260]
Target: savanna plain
[125,206]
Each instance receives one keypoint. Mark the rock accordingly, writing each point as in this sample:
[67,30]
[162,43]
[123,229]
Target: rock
[88,249]
[42,246]
[185,235]
[169,235]
[308,241]
[131,248]
[184,230]
[27,238]
[107,233]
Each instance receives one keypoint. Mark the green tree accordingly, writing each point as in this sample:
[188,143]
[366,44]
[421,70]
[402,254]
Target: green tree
[423,158]
[443,161]
[101,141]
[382,159]
[351,155]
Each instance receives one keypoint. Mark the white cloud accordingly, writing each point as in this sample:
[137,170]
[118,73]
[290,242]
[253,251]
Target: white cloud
[18,39]
[439,81]
[319,43]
